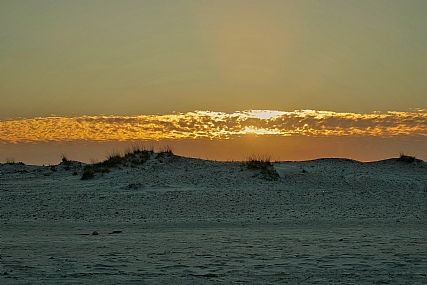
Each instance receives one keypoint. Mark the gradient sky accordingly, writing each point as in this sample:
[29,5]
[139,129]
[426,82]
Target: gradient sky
[132,58]
[149,57]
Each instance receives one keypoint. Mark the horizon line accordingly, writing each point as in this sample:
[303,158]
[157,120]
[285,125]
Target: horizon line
[64,158]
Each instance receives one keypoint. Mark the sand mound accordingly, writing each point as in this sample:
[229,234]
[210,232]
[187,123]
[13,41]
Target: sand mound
[188,221]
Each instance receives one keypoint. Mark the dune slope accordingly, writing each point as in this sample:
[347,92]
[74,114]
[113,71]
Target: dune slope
[188,221]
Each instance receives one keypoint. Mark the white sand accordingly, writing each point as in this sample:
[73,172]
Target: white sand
[188,221]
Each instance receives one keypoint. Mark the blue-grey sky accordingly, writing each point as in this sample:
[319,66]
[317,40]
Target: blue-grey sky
[74,58]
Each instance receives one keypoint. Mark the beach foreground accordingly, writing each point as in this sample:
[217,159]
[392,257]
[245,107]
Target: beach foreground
[178,220]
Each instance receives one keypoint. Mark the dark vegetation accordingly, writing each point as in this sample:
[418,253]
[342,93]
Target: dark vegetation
[65,160]
[68,164]
[132,157]
[88,172]
[407,158]
[263,165]
[164,152]
[11,161]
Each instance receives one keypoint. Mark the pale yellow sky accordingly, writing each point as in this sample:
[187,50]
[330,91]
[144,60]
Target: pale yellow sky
[148,57]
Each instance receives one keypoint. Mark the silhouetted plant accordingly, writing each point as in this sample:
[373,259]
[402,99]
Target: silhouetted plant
[406,158]
[65,159]
[11,161]
[113,159]
[258,162]
[165,151]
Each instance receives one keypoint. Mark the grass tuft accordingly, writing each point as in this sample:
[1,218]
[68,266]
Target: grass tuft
[255,162]
[132,157]
[113,160]
[65,159]
[406,158]
[11,161]
[88,172]
[262,163]
[164,152]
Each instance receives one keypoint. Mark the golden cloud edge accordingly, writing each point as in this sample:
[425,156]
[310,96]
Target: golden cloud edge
[214,125]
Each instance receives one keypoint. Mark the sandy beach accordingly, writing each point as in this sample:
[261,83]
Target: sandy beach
[179,220]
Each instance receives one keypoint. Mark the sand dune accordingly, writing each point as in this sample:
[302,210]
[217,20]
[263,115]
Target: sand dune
[188,221]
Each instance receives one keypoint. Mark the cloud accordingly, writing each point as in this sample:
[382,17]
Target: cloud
[214,125]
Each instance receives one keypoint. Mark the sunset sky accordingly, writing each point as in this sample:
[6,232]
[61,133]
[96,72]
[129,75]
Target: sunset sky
[213,79]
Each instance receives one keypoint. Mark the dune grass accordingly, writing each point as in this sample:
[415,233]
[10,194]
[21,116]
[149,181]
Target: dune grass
[406,158]
[254,162]
[132,157]
[11,161]
[264,165]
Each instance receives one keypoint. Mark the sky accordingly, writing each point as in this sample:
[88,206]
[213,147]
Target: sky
[214,79]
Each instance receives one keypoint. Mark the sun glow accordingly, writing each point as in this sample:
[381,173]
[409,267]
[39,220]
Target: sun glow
[214,125]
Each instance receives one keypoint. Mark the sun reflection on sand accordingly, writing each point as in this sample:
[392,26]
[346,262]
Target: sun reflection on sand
[214,125]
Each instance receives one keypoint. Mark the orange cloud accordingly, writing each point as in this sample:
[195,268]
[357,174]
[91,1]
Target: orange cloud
[214,125]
